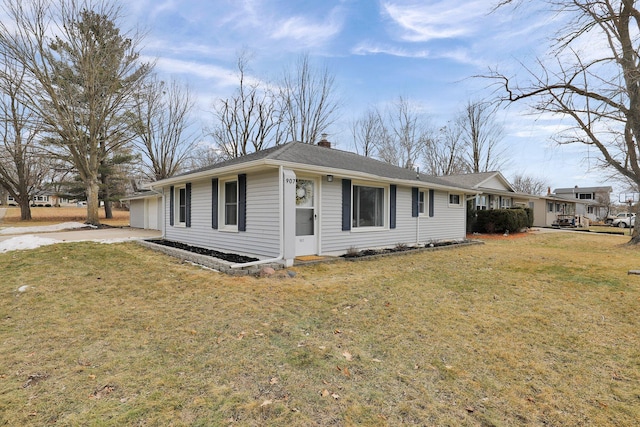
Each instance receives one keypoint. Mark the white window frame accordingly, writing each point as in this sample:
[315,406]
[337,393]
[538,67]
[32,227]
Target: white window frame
[225,226]
[505,202]
[459,196]
[480,205]
[176,207]
[423,203]
[385,208]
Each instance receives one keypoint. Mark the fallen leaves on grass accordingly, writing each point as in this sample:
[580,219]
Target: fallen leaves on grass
[347,355]
[102,392]
[34,378]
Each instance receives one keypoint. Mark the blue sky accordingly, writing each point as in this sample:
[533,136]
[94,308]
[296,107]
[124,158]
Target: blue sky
[424,50]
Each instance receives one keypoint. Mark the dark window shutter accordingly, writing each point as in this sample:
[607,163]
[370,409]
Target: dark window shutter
[214,203]
[393,189]
[187,216]
[346,204]
[415,201]
[431,198]
[242,202]
[171,205]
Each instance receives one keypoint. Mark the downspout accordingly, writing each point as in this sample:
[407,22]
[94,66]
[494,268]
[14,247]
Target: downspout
[281,219]
[418,226]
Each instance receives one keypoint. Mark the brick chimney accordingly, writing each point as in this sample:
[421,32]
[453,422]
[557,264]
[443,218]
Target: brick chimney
[323,142]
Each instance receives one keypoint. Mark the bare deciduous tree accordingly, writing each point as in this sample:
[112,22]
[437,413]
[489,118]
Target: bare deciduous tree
[248,121]
[444,152]
[83,74]
[23,162]
[529,184]
[482,136]
[369,133]
[309,103]
[598,90]
[163,127]
[408,130]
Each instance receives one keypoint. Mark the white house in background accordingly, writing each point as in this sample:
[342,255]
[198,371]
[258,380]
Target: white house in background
[593,202]
[494,191]
[302,199]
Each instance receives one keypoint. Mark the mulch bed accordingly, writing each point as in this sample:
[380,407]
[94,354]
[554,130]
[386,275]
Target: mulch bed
[235,258]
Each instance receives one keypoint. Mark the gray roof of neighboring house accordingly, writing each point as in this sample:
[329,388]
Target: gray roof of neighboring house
[573,190]
[469,179]
[330,158]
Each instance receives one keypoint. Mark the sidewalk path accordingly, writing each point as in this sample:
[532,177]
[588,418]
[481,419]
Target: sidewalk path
[31,239]
[91,234]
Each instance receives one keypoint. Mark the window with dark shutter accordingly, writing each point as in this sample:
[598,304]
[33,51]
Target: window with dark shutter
[392,206]
[431,199]
[187,205]
[242,202]
[346,204]
[214,203]
[171,205]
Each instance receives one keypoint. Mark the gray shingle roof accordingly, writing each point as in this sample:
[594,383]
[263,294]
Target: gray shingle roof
[313,155]
[469,179]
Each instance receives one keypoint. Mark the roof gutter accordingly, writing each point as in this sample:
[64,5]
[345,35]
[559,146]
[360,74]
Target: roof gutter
[307,168]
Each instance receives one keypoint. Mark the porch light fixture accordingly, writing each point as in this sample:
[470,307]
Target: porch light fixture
[329,178]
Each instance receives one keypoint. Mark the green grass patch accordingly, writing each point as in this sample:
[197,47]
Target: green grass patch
[530,331]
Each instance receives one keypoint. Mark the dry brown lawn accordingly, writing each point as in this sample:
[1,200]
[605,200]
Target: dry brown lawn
[55,215]
[528,331]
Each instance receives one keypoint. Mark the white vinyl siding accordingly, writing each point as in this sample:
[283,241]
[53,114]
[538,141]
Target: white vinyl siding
[262,238]
[446,224]
[494,183]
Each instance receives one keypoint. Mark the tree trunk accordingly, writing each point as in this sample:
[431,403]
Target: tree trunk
[106,196]
[93,189]
[25,209]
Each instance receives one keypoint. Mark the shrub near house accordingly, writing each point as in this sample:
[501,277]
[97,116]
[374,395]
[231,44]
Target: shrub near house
[499,220]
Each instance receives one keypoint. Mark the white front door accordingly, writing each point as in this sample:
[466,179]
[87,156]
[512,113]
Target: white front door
[306,239]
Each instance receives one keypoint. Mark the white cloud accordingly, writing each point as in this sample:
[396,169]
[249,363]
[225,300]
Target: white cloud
[222,76]
[425,21]
[366,48]
[308,31]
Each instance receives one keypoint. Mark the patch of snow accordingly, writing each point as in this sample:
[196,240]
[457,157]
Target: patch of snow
[44,228]
[27,241]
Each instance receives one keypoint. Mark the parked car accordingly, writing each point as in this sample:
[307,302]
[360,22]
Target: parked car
[611,218]
[629,221]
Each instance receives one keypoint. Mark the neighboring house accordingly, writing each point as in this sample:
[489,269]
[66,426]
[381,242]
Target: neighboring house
[593,202]
[43,198]
[145,210]
[301,199]
[494,191]
[551,210]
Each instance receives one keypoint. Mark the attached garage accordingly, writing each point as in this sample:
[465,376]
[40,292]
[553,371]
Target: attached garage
[145,210]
